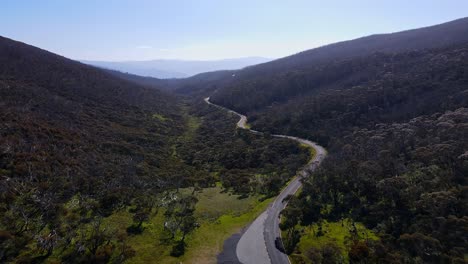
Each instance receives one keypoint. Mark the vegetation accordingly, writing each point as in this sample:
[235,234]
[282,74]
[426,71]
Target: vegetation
[216,223]
[397,153]
[395,126]
[243,162]
[318,239]
[362,92]
[404,180]
[273,83]
[76,145]
[89,163]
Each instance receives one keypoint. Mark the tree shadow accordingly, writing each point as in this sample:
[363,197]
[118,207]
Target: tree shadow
[135,230]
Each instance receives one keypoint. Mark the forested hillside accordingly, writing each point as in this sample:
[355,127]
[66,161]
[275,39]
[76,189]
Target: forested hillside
[262,79]
[406,181]
[391,109]
[70,132]
[264,76]
[362,92]
[80,148]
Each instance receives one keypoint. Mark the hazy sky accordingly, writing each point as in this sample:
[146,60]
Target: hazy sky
[208,29]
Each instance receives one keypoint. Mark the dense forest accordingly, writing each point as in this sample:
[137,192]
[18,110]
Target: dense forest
[360,92]
[406,181]
[78,144]
[246,163]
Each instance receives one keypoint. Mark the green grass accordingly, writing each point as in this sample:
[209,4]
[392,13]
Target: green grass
[213,204]
[312,151]
[220,214]
[159,117]
[148,244]
[337,232]
[207,241]
[192,123]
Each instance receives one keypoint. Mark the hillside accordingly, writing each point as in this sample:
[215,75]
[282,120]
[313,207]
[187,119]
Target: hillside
[300,70]
[406,181]
[73,132]
[43,92]
[79,112]
[391,110]
[359,92]
[90,158]
[450,33]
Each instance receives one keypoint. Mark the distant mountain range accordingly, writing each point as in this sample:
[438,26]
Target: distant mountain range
[177,68]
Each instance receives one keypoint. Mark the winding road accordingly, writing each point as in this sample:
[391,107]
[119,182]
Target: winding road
[257,243]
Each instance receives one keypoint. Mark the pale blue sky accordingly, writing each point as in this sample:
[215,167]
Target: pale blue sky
[208,29]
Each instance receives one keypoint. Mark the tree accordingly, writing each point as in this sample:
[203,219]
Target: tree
[142,211]
[47,243]
[180,220]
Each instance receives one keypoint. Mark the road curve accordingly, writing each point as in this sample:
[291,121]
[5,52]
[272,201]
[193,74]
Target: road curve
[257,244]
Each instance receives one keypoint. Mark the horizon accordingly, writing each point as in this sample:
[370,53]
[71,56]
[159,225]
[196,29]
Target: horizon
[184,60]
[208,30]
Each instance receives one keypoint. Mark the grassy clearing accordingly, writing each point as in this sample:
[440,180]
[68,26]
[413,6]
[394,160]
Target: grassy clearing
[193,123]
[339,233]
[220,214]
[207,241]
[212,204]
[148,245]
[159,117]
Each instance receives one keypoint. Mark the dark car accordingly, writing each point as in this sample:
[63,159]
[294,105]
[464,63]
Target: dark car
[279,245]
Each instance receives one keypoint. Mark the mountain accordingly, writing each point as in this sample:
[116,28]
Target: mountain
[392,111]
[450,33]
[166,69]
[60,115]
[136,68]
[69,131]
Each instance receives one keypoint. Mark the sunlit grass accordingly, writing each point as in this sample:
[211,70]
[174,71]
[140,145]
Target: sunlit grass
[337,232]
[192,124]
[220,214]
[159,117]
[207,241]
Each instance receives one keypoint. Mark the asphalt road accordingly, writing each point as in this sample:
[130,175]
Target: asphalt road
[257,243]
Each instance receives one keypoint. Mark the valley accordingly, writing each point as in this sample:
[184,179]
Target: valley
[352,152]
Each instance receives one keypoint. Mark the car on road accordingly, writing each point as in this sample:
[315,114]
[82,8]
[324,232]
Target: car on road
[279,244]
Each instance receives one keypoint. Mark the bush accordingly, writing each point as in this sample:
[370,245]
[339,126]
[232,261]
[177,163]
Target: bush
[178,249]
